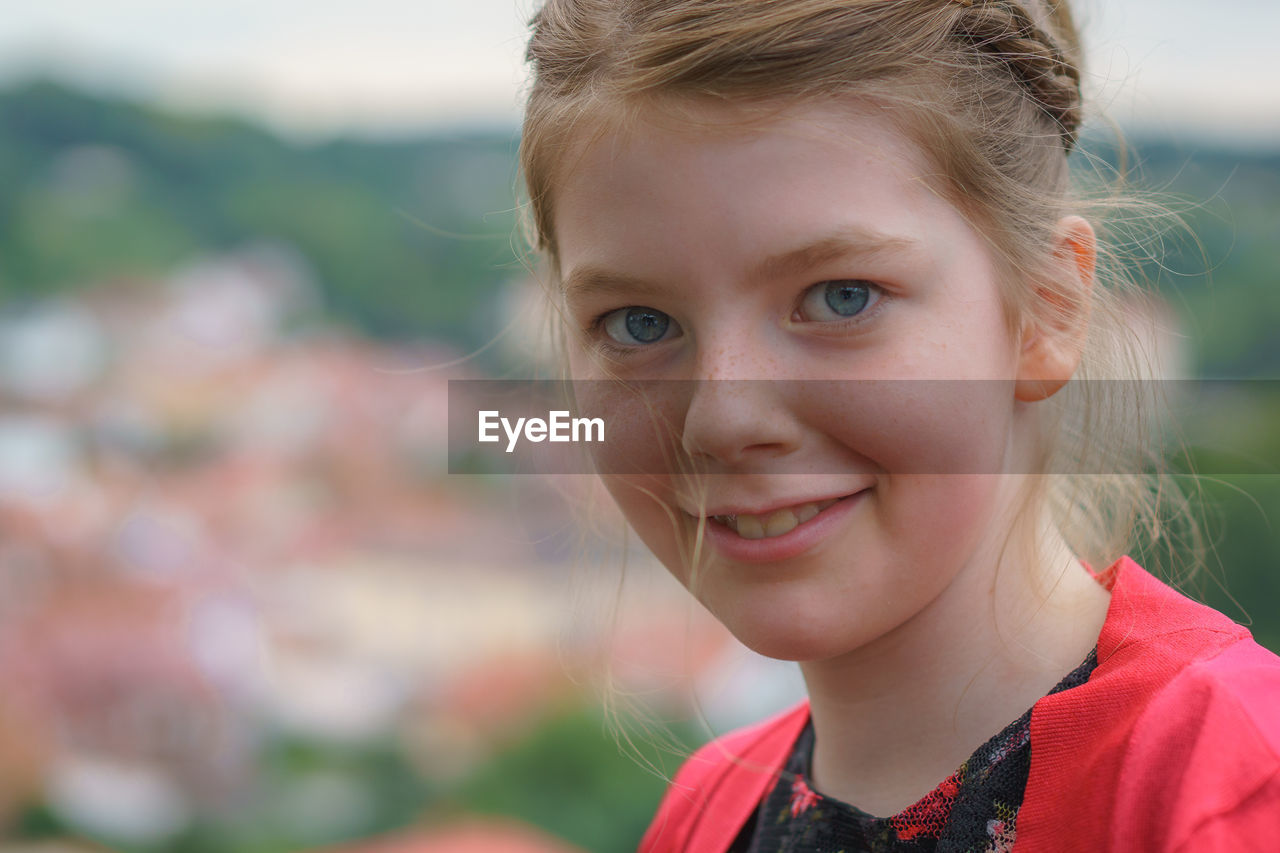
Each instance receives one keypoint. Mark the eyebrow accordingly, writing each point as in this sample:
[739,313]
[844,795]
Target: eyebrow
[848,242]
[589,280]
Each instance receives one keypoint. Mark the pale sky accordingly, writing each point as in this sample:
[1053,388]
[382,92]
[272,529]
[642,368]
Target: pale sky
[316,67]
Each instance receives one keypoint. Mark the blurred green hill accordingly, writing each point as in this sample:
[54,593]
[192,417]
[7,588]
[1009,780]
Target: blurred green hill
[412,238]
[1221,273]
[404,238]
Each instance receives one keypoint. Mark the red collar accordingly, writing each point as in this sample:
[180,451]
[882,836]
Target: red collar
[1151,632]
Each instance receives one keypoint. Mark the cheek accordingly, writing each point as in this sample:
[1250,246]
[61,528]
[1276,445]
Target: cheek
[641,460]
[938,518]
[645,503]
[916,426]
[643,424]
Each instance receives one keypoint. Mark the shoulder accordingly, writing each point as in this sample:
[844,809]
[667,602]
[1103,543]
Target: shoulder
[717,788]
[1234,695]
[1203,756]
[1176,734]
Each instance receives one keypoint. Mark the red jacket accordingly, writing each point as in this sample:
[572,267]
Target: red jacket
[1172,745]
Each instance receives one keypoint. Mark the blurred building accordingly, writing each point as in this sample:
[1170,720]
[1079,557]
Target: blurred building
[213,528]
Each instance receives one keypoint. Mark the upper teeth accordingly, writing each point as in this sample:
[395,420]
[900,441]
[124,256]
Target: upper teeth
[775,523]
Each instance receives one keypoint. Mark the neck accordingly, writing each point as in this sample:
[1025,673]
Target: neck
[895,717]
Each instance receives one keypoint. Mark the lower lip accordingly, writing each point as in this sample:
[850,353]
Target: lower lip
[729,545]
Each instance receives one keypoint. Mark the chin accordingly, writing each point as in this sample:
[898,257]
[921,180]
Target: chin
[779,634]
[803,649]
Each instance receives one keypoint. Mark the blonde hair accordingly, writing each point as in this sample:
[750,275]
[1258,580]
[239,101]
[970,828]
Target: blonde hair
[990,91]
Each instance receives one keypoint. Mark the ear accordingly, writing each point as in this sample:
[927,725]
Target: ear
[1053,336]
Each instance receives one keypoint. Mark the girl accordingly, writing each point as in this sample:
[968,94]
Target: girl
[845,227]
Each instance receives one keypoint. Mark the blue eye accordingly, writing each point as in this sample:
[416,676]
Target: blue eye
[637,325]
[837,300]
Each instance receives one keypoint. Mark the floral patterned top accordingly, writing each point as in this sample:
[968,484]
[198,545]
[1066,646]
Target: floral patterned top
[974,810]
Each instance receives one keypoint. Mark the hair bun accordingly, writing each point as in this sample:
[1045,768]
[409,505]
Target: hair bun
[1007,32]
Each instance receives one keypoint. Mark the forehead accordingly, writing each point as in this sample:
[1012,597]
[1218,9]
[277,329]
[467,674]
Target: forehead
[724,176]
[831,129]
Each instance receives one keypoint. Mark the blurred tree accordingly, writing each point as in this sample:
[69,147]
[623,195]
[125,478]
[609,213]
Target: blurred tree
[407,239]
[572,778]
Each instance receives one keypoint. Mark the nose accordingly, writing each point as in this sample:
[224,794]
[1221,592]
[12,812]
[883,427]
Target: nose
[738,414]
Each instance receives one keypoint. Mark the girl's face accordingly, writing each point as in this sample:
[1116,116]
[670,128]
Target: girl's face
[810,247]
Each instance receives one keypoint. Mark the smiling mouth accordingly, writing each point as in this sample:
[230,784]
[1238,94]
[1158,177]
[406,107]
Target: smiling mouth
[776,523]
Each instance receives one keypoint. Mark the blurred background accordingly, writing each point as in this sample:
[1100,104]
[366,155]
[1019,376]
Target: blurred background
[243,607]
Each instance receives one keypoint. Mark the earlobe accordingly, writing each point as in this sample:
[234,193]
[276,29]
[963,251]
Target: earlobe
[1058,320]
